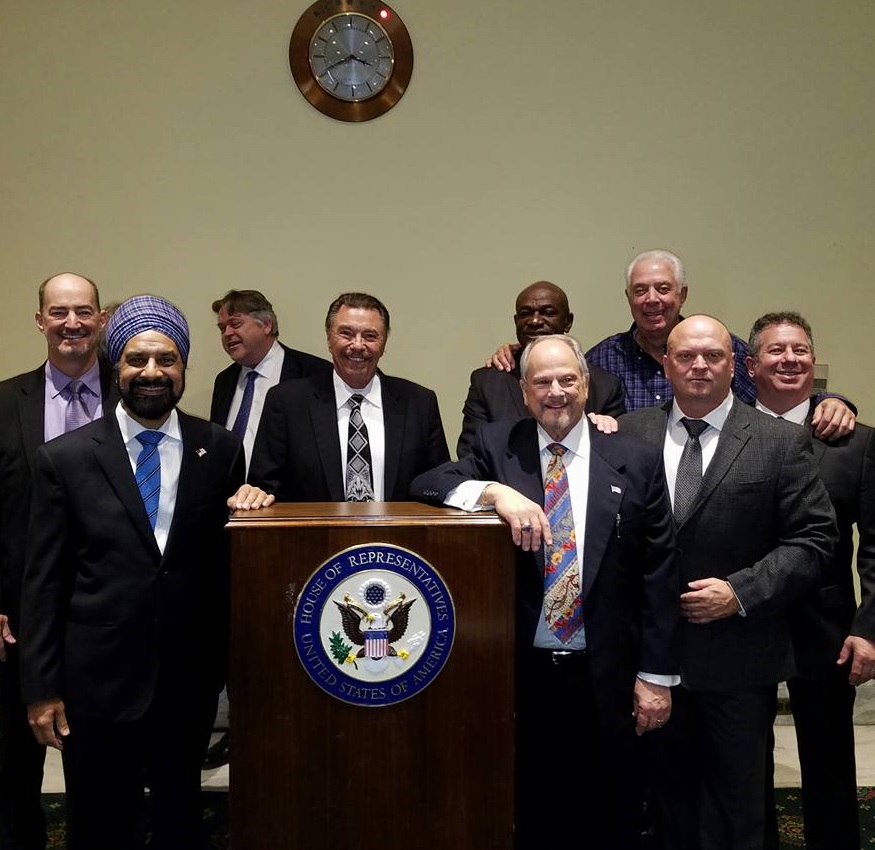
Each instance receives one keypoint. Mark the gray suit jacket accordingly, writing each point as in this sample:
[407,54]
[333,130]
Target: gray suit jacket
[763,521]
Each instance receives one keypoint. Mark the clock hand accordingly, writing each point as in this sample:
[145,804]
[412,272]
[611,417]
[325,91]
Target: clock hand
[362,61]
[339,62]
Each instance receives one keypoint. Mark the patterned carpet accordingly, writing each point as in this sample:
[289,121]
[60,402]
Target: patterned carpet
[789,803]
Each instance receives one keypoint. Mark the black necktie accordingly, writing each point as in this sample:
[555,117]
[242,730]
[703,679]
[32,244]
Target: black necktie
[359,481]
[689,477]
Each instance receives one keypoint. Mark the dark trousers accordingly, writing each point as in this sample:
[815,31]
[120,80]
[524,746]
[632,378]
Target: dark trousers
[710,763]
[823,713]
[107,765]
[578,775]
[22,821]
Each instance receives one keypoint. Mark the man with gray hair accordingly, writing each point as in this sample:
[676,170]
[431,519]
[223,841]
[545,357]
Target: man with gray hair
[125,594]
[597,604]
[656,289]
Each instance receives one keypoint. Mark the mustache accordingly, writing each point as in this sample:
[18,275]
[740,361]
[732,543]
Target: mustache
[149,383]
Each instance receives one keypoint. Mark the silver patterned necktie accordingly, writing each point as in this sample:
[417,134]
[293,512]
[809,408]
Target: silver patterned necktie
[689,477]
[76,413]
[359,476]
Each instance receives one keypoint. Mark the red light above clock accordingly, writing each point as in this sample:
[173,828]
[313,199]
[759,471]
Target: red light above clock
[384,13]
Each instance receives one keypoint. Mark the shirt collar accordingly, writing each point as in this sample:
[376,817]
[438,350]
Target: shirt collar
[797,414]
[130,427]
[371,392]
[716,418]
[269,366]
[576,440]
[58,381]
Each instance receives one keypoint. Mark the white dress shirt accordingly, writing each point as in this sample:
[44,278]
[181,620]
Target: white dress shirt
[170,454]
[676,438]
[372,414]
[797,414]
[269,371]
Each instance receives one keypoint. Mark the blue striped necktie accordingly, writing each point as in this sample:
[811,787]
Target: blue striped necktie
[149,472]
[240,423]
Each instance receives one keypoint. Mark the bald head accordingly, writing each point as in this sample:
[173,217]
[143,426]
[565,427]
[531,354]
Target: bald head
[541,309]
[699,364]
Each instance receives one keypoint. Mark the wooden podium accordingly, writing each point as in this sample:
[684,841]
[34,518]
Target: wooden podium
[311,771]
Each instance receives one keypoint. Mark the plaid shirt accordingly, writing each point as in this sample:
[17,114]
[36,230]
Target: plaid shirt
[644,382]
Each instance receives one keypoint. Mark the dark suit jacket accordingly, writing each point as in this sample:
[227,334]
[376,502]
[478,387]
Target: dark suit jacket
[296,364]
[495,395]
[630,584]
[297,450]
[22,400]
[762,521]
[825,618]
[102,611]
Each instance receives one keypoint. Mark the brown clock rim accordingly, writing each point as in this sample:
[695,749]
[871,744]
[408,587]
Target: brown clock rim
[299,60]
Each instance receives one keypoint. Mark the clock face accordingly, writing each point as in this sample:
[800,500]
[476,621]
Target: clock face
[351,57]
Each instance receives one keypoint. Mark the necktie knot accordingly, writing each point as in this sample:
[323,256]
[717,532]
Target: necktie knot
[76,413]
[355,401]
[150,438]
[694,427]
[557,449]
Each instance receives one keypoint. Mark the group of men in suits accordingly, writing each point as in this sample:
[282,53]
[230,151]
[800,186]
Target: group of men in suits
[715,622]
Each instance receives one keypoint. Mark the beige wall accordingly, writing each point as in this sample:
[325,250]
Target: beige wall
[163,147]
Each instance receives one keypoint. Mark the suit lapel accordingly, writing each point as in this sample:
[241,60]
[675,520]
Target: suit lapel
[323,418]
[733,438]
[32,413]
[818,446]
[112,457]
[515,395]
[606,486]
[394,419]
[196,446]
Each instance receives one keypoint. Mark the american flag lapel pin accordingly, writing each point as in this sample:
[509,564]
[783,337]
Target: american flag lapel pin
[615,489]
[200,452]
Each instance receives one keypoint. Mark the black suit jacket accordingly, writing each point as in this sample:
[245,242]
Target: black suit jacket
[296,364]
[297,449]
[22,430]
[103,612]
[495,395]
[825,618]
[763,521]
[630,586]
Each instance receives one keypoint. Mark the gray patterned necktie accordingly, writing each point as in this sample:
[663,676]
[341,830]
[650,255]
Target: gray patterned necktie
[359,480]
[76,414]
[689,477]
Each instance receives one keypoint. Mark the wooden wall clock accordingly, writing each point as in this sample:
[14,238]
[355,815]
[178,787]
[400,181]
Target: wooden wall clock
[351,59]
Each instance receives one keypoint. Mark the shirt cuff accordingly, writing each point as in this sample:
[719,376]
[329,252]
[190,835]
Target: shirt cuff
[466,496]
[662,679]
